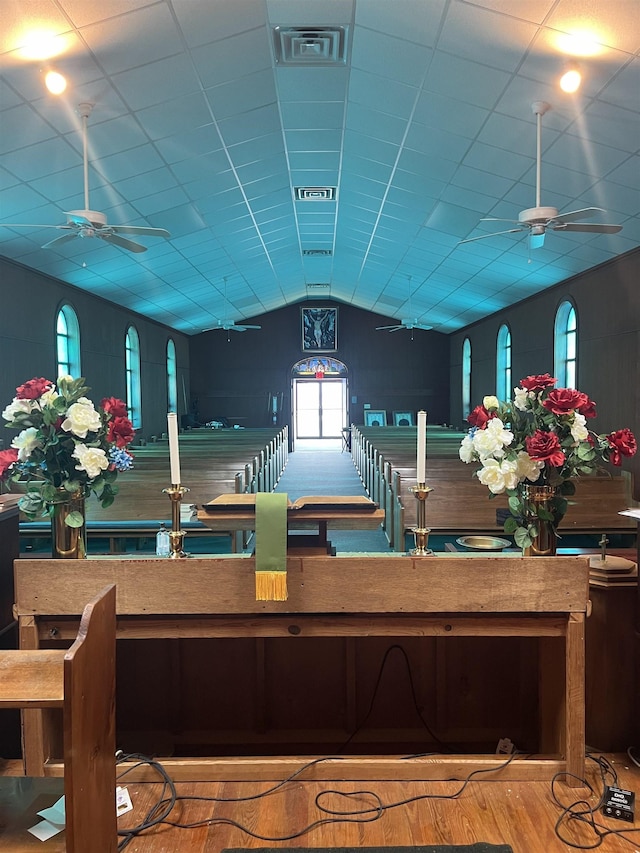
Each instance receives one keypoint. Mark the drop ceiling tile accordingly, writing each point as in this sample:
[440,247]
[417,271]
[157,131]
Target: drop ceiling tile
[233,57]
[139,86]
[403,61]
[311,84]
[381,93]
[460,79]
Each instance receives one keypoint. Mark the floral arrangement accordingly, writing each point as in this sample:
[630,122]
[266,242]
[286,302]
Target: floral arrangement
[539,438]
[66,446]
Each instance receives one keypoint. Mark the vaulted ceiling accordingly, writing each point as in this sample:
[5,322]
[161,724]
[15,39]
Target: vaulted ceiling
[333,149]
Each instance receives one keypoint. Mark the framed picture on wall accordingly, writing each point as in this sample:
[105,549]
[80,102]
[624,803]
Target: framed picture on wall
[319,329]
[375,417]
[403,419]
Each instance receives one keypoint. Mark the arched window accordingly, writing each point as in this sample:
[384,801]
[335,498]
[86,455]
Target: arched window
[172,377]
[132,368]
[68,342]
[466,378]
[503,364]
[565,346]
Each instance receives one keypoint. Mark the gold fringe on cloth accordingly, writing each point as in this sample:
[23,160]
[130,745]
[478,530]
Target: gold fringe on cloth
[271,546]
[271,586]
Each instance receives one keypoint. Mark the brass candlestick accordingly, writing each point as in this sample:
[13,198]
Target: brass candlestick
[176,534]
[421,531]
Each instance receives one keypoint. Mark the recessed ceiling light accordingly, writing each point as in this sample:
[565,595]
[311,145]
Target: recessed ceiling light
[579,43]
[42,44]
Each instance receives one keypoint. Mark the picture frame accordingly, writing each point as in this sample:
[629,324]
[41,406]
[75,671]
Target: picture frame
[403,419]
[375,417]
[319,329]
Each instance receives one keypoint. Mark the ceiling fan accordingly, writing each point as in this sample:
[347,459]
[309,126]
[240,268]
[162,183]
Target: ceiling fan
[409,323]
[92,223]
[536,220]
[229,325]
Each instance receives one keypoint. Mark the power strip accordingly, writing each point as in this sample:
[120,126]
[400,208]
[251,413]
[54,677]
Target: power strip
[618,803]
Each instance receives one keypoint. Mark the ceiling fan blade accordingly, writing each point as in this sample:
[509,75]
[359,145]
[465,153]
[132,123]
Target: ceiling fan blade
[141,231]
[386,328]
[497,219]
[60,240]
[120,241]
[588,228]
[24,225]
[575,215]
[495,234]
[243,327]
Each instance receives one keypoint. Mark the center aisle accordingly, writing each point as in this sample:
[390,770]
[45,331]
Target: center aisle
[319,467]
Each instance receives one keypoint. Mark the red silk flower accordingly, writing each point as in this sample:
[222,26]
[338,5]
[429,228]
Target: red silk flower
[7,458]
[480,416]
[622,443]
[588,409]
[33,389]
[545,447]
[561,401]
[538,382]
[120,431]
[114,407]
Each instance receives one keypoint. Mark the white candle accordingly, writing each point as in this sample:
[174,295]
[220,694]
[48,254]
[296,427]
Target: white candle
[174,454]
[421,461]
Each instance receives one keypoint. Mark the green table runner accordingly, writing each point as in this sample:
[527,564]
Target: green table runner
[271,546]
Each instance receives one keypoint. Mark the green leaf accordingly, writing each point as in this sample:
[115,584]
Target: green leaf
[585,452]
[515,505]
[74,519]
[510,525]
[567,487]
[545,514]
[522,538]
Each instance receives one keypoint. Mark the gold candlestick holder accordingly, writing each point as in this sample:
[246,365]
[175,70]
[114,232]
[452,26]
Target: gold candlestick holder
[421,531]
[176,534]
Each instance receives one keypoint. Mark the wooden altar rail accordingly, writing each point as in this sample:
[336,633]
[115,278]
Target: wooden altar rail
[459,502]
[213,462]
[333,597]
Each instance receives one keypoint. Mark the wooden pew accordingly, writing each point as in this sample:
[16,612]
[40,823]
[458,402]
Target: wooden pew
[81,682]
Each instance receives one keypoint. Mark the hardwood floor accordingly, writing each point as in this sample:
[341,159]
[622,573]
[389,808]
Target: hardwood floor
[521,814]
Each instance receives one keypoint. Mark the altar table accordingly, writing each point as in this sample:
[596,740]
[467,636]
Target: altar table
[362,596]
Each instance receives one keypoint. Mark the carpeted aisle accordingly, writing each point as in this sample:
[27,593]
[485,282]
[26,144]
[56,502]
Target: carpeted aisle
[321,468]
[479,847]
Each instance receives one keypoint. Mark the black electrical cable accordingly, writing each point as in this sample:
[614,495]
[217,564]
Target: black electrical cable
[585,812]
[361,815]
[396,647]
[158,812]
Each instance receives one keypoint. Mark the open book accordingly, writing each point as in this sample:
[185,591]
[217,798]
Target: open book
[340,503]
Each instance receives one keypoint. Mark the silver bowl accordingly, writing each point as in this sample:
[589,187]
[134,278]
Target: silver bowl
[483,543]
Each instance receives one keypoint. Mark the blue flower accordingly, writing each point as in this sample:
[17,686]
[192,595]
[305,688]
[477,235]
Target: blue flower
[119,457]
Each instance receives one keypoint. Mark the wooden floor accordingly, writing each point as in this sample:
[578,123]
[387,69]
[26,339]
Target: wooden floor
[521,814]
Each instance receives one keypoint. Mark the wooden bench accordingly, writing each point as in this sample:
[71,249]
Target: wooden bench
[81,682]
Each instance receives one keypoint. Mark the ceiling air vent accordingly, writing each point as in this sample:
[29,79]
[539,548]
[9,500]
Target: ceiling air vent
[317,252]
[315,193]
[318,287]
[310,45]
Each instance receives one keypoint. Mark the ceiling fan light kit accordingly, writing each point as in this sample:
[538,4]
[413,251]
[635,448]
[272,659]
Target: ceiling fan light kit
[537,220]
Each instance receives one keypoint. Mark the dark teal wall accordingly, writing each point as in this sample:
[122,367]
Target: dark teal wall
[233,377]
[30,302]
